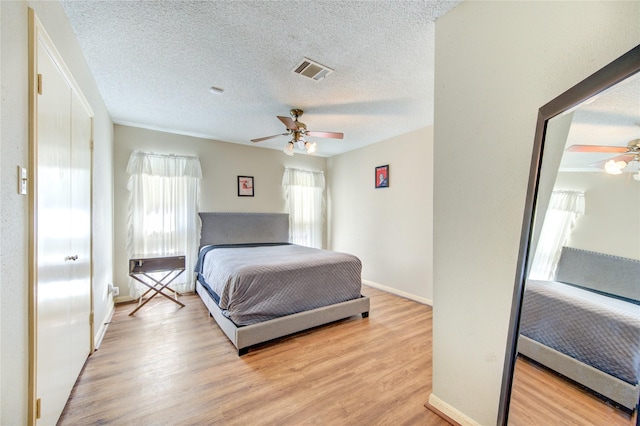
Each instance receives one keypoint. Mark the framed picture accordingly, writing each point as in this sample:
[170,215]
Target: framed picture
[382,176]
[245,186]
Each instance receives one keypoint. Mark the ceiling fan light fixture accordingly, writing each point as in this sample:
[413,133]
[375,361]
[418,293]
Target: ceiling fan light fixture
[614,167]
[311,147]
[288,148]
[297,131]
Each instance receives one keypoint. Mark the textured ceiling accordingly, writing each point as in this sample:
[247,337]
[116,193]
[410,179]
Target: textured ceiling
[154,62]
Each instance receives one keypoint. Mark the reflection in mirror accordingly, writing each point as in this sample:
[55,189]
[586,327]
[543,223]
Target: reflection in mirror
[578,327]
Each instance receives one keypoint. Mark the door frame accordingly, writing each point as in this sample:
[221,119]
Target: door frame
[37,33]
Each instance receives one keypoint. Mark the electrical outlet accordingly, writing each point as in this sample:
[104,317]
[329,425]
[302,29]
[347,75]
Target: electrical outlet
[115,291]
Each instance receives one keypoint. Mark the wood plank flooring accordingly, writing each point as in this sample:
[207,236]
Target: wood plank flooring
[168,365]
[557,400]
[172,366]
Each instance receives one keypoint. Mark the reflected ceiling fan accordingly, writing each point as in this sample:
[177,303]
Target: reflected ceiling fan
[614,165]
[298,130]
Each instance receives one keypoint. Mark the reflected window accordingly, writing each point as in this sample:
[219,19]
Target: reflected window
[565,208]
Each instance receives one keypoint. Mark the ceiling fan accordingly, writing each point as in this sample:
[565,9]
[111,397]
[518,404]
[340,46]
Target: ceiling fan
[298,130]
[614,166]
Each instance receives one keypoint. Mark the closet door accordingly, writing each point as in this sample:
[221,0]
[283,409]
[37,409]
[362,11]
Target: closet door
[62,229]
[53,224]
[80,235]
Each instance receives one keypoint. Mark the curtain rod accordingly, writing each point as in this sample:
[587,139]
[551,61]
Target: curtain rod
[165,155]
[304,170]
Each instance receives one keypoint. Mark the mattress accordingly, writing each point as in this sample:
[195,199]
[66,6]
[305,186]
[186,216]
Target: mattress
[597,330]
[257,282]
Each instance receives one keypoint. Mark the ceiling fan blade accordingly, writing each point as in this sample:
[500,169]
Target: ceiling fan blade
[625,157]
[268,137]
[291,125]
[334,135]
[596,148]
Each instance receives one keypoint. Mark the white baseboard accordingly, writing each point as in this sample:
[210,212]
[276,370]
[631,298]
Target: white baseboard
[451,412]
[103,327]
[400,293]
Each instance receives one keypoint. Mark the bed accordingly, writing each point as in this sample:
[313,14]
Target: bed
[585,325]
[258,287]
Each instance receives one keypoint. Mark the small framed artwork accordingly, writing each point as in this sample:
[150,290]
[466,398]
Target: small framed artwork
[245,186]
[382,176]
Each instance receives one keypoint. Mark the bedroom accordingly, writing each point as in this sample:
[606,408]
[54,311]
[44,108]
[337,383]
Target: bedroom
[494,110]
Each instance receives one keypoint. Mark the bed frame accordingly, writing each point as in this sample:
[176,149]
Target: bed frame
[232,228]
[592,271]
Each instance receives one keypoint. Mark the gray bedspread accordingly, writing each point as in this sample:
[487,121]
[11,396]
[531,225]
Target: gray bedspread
[256,284]
[600,331]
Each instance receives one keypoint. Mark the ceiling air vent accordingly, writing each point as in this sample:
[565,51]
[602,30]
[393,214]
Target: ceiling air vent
[310,69]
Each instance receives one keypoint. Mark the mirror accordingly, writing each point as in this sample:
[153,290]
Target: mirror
[574,334]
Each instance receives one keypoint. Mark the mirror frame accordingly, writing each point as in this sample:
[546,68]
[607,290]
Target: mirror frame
[615,72]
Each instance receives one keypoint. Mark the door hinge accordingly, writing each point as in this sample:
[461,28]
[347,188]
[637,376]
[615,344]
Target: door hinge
[39,84]
[91,318]
[91,144]
[38,403]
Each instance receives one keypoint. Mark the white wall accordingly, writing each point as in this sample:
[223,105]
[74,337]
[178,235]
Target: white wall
[496,64]
[14,353]
[1,180]
[389,229]
[611,223]
[221,163]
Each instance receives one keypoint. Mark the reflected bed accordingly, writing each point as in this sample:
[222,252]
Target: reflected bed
[586,326]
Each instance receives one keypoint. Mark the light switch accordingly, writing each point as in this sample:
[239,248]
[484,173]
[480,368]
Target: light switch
[22,180]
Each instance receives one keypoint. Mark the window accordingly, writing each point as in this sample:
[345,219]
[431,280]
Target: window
[164,195]
[564,209]
[304,192]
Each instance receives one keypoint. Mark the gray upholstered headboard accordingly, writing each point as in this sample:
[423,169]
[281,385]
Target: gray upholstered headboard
[236,228]
[601,272]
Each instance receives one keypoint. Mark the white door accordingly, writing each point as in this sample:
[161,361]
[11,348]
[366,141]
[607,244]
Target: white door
[81,327]
[63,235]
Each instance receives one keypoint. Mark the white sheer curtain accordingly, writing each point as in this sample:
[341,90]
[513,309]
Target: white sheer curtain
[564,208]
[304,191]
[164,196]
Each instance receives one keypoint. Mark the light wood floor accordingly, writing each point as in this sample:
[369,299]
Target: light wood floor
[174,366]
[540,397]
